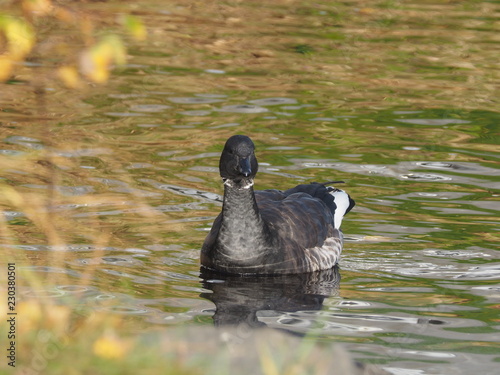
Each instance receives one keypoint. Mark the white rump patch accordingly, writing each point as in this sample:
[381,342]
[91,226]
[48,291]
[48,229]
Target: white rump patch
[342,201]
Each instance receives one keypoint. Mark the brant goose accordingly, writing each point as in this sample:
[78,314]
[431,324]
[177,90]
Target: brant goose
[272,232]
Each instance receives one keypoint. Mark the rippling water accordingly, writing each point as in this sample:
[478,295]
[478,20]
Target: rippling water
[134,191]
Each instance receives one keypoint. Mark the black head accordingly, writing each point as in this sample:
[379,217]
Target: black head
[238,161]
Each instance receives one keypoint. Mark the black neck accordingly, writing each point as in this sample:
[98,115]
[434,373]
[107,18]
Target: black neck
[243,232]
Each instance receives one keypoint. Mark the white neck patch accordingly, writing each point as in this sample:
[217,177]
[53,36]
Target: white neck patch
[245,184]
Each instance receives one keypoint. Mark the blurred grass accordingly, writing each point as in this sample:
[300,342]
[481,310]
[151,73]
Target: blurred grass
[57,340]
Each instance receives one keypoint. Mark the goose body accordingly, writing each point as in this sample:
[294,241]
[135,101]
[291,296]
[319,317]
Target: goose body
[271,231]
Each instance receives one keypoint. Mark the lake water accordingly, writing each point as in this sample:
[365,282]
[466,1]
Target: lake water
[120,182]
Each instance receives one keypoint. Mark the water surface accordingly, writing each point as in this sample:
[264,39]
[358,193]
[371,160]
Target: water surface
[119,194]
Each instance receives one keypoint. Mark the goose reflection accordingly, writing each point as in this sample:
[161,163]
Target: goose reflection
[239,299]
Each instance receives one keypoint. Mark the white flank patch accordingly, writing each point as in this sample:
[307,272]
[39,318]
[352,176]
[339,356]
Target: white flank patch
[326,256]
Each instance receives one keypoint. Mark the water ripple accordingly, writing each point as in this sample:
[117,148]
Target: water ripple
[242,108]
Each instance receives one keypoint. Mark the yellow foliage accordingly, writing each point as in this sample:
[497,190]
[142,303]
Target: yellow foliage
[20,37]
[135,27]
[69,75]
[97,61]
[109,346]
[32,314]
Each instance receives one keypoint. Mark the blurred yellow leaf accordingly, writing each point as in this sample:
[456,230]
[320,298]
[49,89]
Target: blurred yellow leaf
[20,37]
[119,53]
[135,27]
[97,61]
[32,314]
[69,75]
[111,347]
